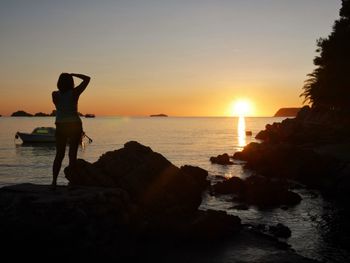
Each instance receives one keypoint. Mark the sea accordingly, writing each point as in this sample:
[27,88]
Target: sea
[315,223]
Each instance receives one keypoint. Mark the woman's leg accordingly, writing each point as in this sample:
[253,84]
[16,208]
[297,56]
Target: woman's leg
[73,151]
[61,142]
[74,142]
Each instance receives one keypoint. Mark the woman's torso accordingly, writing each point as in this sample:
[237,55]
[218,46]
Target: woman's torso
[66,107]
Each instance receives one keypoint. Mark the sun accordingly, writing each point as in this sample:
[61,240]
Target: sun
[241,108]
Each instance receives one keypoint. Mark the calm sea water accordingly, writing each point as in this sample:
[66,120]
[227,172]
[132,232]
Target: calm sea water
[183,141]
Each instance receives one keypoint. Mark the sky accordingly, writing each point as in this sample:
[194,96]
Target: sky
[181,58]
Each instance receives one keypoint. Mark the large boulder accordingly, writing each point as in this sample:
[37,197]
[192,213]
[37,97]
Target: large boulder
[150,179]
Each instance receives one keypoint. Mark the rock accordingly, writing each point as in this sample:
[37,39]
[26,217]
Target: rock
[214,225]
[88,221]
[288,161]
[220,177]
[258,190]
[264,192]
[284,207]
[343,183]
[233,185]
[223,159]
[150,179]
[62,221]
[280,230]
[240,207]
[198,174]
[305,149]
[238,156]
[287,112]
[248,133]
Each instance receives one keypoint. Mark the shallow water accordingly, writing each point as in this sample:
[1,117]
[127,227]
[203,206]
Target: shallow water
[181,140]
[314,223]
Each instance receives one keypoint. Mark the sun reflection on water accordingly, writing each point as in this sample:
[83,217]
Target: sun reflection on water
[241,132]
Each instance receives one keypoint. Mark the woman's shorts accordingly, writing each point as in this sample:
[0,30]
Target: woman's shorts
[69,131]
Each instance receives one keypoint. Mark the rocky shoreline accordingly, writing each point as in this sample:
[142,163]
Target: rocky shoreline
[305,149]
[132,203]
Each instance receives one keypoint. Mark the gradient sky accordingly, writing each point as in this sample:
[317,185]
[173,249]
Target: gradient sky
[179,57]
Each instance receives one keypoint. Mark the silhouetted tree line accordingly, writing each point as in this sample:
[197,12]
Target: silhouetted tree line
[328,86]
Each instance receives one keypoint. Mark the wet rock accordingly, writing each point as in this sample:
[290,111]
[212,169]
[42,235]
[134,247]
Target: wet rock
[223,159]
[214,225]
[262,191]
[220,177]
[343,183]
[240,207]
[258,190]
[280,230]
[284,207]
[233,185]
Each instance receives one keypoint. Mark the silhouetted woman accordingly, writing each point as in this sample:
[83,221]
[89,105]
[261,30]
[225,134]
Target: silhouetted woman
[68,123]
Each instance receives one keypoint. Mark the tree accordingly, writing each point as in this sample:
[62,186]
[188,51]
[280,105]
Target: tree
[328,86]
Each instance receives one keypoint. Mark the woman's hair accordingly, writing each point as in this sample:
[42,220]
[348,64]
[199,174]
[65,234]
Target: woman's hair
[65,82]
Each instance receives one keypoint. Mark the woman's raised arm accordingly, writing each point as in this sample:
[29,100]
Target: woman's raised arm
[82,86]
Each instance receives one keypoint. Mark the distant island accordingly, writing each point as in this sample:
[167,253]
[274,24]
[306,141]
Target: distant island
[41,114]
[287,112]
[21,113]
[159,115]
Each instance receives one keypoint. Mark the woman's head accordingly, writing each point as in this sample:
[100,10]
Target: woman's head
[65,82]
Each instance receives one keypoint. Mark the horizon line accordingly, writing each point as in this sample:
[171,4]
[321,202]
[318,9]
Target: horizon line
[168,116]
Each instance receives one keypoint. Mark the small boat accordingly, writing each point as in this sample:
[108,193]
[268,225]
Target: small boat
[38,135]
[43,135]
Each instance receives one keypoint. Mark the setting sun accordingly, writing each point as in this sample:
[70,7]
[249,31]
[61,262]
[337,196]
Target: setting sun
[241,107]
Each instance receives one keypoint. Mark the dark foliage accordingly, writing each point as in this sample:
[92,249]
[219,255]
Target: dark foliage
[328,86]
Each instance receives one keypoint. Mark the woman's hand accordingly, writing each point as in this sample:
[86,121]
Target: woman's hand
[82,86]
[81,76]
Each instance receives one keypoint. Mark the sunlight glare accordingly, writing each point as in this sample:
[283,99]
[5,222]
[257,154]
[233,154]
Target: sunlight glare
[241,108]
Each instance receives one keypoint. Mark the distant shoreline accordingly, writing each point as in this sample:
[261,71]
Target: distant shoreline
[148,116]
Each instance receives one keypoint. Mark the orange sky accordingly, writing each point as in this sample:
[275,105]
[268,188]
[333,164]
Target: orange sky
[178,58]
